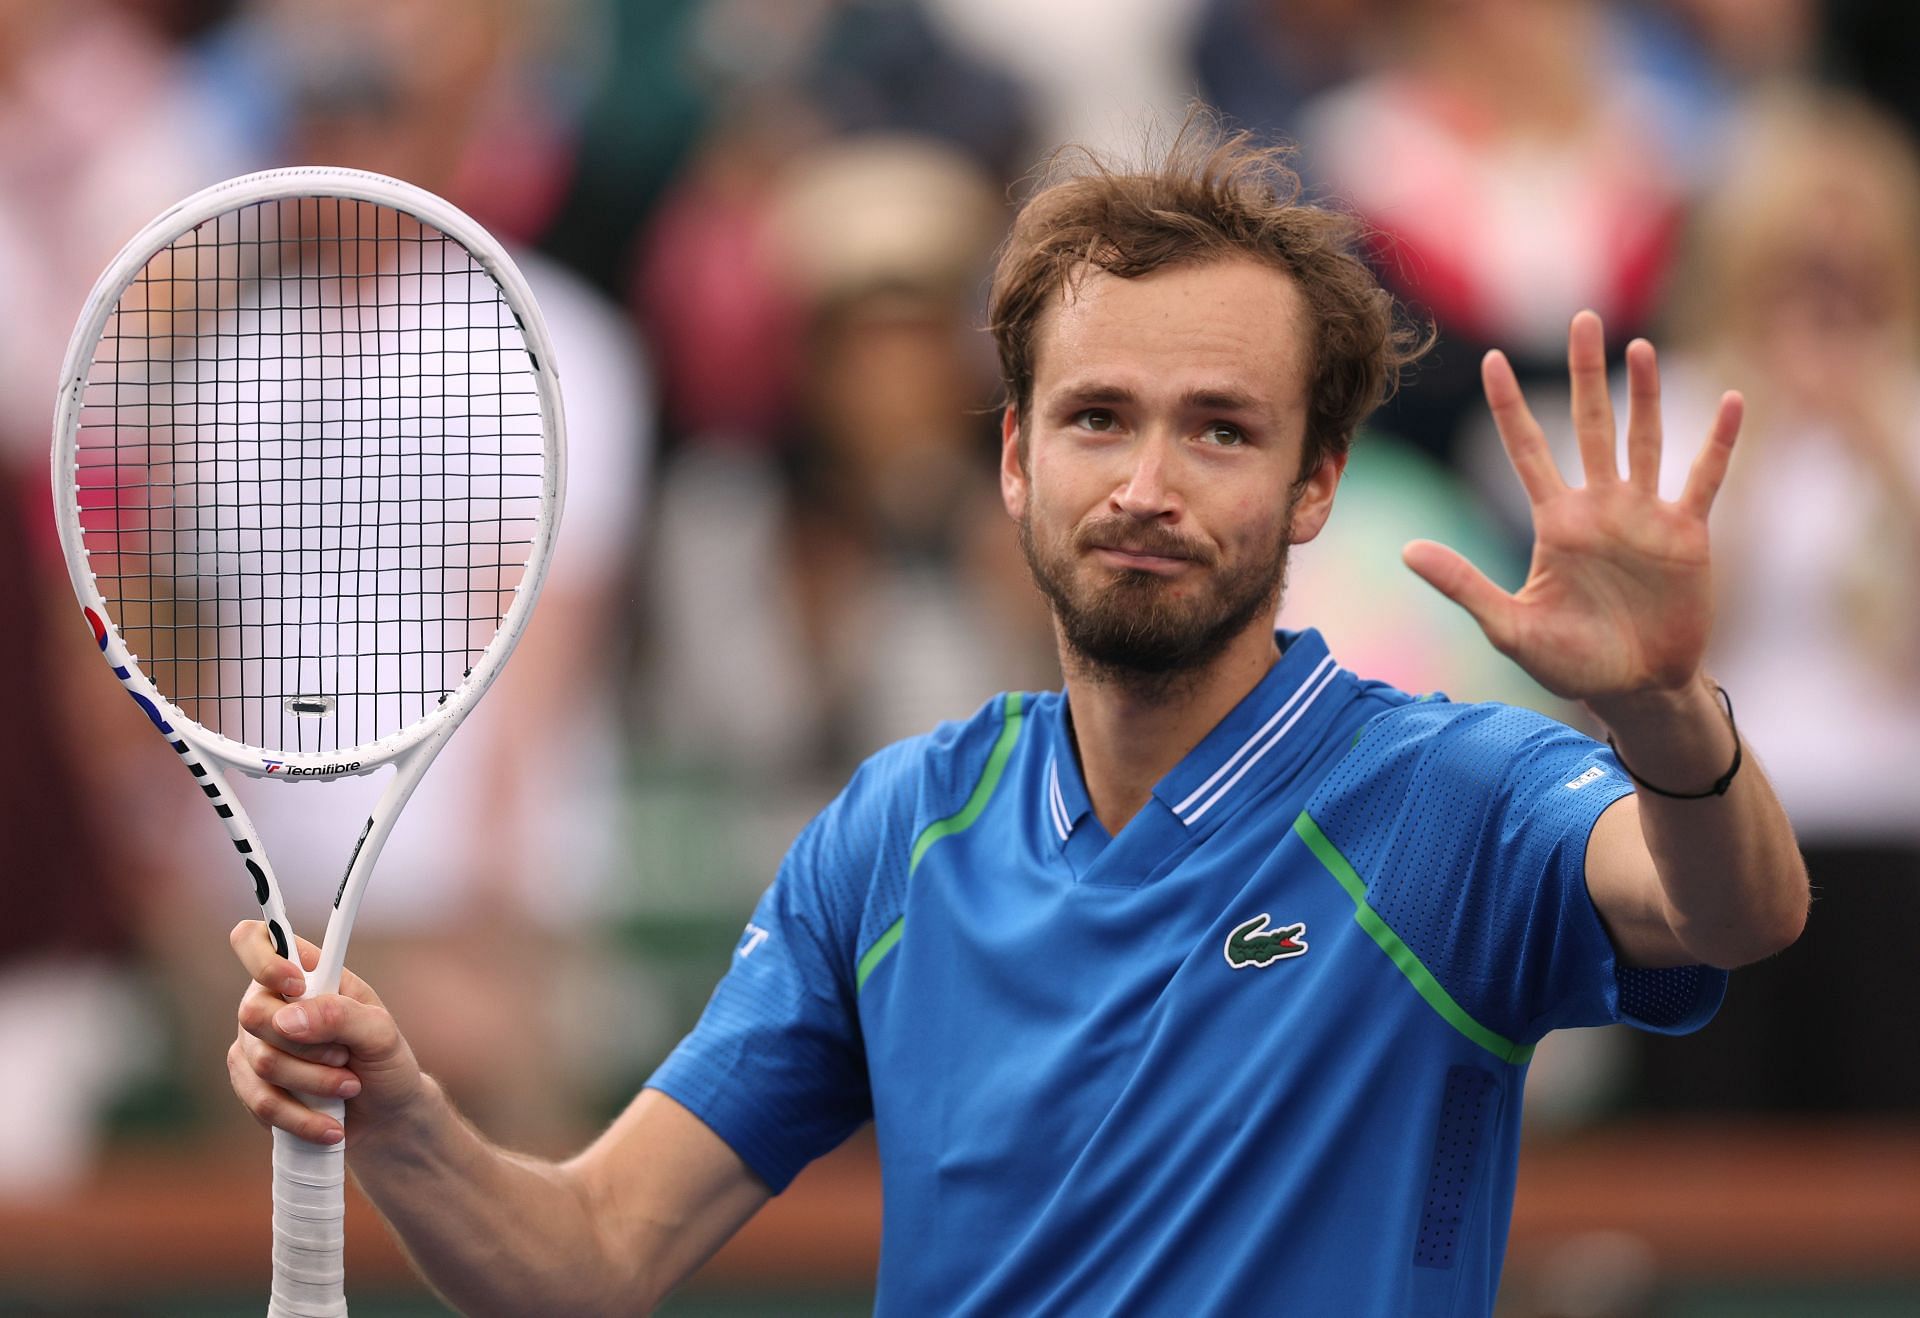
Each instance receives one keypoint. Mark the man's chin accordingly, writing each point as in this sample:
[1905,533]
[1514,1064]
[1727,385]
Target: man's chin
[1145,627]
[1128,645]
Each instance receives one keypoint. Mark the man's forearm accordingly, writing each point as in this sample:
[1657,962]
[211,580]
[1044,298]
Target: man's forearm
[492,1231]
[1735,884]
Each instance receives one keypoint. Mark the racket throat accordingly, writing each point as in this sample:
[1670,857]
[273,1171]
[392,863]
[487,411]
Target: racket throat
[353,858]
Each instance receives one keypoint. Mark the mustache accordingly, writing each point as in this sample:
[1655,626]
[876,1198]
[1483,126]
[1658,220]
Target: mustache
[1131,537]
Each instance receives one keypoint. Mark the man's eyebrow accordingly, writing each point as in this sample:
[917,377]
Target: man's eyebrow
[1094,392]
[1222,399]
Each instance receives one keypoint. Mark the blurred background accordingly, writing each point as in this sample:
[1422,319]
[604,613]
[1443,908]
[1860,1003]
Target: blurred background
[761,230]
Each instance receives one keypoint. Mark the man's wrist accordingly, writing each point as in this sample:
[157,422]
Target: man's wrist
[1633,716]
[403,1135]
[1683,739]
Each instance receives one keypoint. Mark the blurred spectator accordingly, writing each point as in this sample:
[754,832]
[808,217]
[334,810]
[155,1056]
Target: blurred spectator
[1753,42]
[723,325]
[883,66]
[783,76]
[72,1026]
[478,89]
[499,870]
[867,586]
[1802,290]
[1098,71]
[1514,168]
[100,130]
[1260,61]
[908,595]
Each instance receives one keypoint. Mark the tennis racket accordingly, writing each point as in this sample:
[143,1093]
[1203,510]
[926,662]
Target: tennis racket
[308,460]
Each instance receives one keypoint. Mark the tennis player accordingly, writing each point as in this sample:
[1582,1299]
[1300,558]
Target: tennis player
[1208,984]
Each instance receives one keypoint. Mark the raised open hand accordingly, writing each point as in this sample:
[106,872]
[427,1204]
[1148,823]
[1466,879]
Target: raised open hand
[1618,598]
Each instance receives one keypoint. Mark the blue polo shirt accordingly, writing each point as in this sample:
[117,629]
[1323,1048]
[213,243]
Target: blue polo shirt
[1260,1052]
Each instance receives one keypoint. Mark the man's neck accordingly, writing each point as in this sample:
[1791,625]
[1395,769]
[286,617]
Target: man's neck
[1131,733]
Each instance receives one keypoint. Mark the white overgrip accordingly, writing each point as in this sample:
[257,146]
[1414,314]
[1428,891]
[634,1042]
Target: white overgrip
[309,1222]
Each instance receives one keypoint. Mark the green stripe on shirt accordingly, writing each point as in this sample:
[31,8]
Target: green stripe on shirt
[955,823]
[1399,953]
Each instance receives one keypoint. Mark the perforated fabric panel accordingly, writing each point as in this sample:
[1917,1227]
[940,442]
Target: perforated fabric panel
[916,783]
[1669,1001]
[1469,825]
[777,1064]
[1465,1108]
[867,880]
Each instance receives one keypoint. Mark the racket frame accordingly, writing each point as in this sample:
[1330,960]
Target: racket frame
[308,1177]
[281,185]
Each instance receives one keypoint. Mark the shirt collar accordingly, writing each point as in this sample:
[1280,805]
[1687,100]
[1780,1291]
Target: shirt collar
[1067,802]
[1265,728]
[1268,727]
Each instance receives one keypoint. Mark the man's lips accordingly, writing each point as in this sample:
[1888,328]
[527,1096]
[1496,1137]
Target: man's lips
[1141,560]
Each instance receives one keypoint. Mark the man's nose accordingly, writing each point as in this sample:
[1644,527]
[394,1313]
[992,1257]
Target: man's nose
[1147,494]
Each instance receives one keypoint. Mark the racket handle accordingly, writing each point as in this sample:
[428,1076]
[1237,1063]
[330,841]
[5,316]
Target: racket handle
[309,1226]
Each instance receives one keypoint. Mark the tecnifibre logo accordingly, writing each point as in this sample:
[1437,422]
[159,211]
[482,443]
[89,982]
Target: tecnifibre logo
[280,767]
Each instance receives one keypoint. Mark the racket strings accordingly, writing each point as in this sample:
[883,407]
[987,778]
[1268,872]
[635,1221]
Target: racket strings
[311,470]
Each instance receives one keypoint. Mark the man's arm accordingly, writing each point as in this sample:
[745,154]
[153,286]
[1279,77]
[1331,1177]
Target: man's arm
[610,1231]
[1615,612]
[1716,881]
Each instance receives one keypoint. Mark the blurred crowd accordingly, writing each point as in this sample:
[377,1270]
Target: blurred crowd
[761,230]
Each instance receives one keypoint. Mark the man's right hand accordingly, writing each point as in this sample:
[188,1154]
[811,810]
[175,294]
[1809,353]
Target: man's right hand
[343,1045]
[610,1231]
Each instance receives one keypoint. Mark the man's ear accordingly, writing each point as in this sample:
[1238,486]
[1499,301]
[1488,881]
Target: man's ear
[1314,502]
[1013,465]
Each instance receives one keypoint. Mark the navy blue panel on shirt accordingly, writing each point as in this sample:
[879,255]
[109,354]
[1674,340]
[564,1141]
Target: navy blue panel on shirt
[1271,1034]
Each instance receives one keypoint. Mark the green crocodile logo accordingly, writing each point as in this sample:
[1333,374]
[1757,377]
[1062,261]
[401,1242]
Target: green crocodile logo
[1253,944]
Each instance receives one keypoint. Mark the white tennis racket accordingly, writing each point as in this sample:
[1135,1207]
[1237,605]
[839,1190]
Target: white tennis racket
[308,460]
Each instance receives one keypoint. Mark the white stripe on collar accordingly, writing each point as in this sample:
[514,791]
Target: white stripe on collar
[1055,802]
[1303,697]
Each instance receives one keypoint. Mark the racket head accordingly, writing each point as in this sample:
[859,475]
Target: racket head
[198,373]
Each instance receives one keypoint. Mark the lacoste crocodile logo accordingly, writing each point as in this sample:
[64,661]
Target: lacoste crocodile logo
[1253,944]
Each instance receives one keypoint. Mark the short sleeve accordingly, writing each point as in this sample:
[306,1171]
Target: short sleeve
[776,1066]
[1468,825]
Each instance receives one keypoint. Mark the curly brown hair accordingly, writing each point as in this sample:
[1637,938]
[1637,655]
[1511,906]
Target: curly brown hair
[1214,196]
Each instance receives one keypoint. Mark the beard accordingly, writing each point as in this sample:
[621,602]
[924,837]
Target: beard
[1133,627]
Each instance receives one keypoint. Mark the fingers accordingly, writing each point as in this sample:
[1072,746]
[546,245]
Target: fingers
[1643,417]
[271,1105]
[1520,434]
[267,967]
[1466,585]
[257,1012]
[1710,468]
[285,1071]
[1592,403]
[367,1031]
[277,974]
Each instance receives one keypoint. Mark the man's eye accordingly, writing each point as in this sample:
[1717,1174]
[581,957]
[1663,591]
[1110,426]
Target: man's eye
[1096,418]
[1222,433]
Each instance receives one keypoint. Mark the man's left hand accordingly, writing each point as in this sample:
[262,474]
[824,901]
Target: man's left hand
[1618,599]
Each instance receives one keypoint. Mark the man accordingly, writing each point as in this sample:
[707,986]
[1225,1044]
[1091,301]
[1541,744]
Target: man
[1210,983]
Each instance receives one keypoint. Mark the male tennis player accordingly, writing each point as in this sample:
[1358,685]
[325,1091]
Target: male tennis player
[1209,984]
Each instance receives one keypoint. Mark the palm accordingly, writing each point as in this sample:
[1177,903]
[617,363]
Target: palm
[1618,596]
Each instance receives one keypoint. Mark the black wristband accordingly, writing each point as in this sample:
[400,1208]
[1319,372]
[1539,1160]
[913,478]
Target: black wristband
[1720,784]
